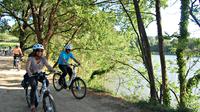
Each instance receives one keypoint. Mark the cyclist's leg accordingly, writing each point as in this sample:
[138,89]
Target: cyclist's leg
[33,83]
[14,57]
[69,71]
[63,68]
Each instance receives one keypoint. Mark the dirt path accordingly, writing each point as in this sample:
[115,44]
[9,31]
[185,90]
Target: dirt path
[12,96]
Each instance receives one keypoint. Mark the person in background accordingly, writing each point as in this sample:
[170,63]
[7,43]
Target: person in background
[17,52]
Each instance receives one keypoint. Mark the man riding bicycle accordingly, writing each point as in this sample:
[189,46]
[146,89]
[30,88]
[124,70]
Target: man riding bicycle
[63,64]
[17,52]
[34,65]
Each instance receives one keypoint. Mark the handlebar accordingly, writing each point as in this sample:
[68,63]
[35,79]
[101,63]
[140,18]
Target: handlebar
[41,74]
[74,65]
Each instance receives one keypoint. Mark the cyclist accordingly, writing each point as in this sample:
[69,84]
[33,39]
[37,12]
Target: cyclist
[63,64]
[35,64]
[17,52]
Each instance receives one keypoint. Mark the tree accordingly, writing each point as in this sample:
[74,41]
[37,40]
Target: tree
[146,51]
[182,44]
[42,20]
[144,47]
[165,90]
[20,12]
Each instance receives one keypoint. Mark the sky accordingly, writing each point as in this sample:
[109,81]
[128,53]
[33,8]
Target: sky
[170,18]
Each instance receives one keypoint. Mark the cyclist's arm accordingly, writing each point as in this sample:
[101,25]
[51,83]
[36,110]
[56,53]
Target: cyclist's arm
[72,56]
[48,65]
[28,65]
[76,61]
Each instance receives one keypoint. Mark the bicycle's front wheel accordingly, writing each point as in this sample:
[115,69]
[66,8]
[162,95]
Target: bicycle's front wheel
[78,88]
[27,95]
[56,84]
[18,66]
[48,103]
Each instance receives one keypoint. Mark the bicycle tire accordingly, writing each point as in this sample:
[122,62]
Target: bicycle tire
[51,103]
[18,66]
[56,84]
[27,96]
[75,88]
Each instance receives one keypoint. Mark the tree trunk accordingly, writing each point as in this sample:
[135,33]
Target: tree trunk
[182,43]
[164,90]
[147,52]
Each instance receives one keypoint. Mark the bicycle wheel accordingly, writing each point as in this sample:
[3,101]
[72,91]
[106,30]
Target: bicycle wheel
[56,84]
[27,95]
[18,66]
[78,88]
[48,103]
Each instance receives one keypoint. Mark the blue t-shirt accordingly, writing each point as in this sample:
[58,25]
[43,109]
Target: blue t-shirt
[64,58]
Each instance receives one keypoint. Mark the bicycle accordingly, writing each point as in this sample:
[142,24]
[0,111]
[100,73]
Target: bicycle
[17,63]
[43,95]
[75,84]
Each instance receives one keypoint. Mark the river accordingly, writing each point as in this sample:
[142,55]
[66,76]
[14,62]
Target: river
[140,88]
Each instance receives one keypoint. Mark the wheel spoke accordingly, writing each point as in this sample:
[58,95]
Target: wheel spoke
[78,88]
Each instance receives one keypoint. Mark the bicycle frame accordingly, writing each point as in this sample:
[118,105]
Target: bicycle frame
[74,75]
[43,90]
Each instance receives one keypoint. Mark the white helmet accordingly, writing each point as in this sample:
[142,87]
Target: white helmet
[68,46]
[18,44]
[38,46]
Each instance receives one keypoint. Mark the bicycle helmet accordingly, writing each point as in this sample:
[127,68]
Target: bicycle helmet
[68,47]
[38,46]
[17,45]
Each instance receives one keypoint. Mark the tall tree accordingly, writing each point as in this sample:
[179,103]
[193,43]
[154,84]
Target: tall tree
[20,12]
[164,90]
[182,44]
[146,51]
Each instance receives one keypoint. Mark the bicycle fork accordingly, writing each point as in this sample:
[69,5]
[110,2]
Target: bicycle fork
[39,97]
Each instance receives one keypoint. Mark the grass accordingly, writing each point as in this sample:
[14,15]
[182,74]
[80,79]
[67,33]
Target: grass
[155,107]
[6,44]
[4,37]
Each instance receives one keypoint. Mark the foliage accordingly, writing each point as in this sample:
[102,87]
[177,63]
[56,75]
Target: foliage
[155,108]
[6,44]
[171,45]
[103,40]
[7,38]
[4,27]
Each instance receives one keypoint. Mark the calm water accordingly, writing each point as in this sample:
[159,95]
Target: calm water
[140,86]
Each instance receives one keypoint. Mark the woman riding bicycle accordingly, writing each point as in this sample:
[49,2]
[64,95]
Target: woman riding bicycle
[63,64]
[35,64]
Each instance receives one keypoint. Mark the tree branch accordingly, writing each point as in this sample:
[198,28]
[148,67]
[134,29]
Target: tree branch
[133,69]
[73,35]
[102,2]
[190,67]
[16,17]
[191,13]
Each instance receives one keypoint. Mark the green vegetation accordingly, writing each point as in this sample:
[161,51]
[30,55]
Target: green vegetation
[8,40]
[4,37]
[110,40]
[171,44]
